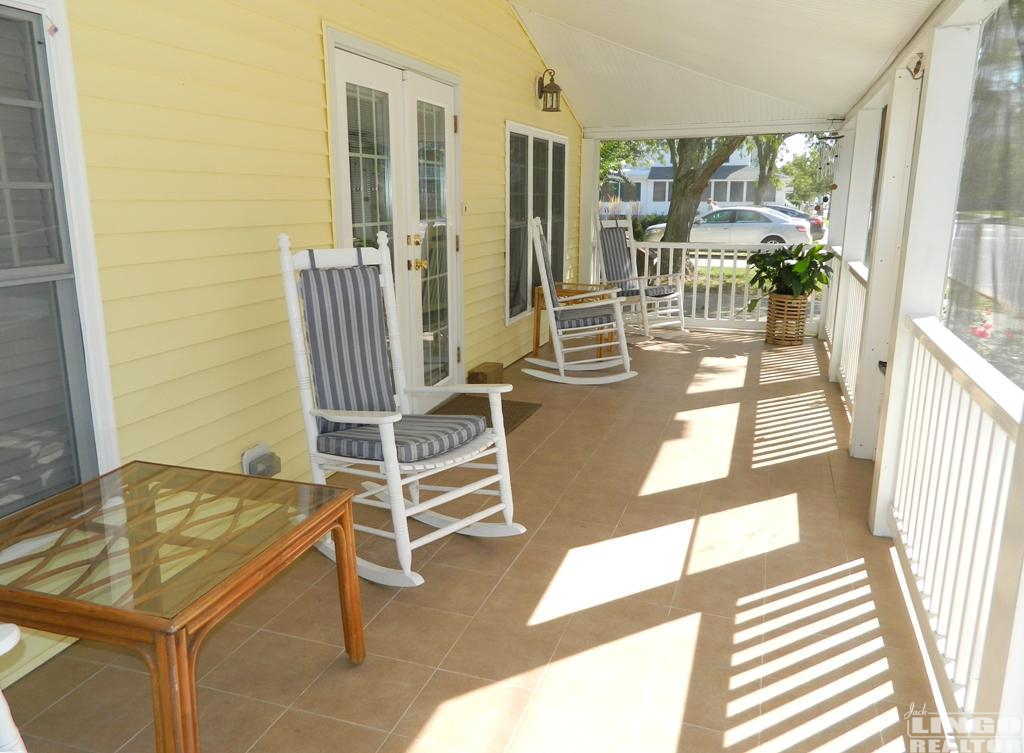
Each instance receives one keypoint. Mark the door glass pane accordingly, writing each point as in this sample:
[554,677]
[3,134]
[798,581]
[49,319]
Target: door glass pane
[985,282]
[518,223]
[557,240]
[872,208]
[29,228]
[369,156]
[431,168]
[539,205]
[37,447]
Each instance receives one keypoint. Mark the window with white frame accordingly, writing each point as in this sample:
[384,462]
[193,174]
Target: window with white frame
[663,190]
[736,190]
[984,303]
[537,174]
[46,436]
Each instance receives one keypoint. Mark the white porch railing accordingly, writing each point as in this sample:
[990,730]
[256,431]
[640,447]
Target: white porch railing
[855,292]
[959,432]
[832,296]
[717,286]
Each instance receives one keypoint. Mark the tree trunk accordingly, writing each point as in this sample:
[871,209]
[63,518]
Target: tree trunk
[694,161]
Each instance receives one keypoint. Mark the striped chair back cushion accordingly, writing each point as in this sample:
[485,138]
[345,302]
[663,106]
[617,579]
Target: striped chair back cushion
[348,346]
[617,257]
[547,268]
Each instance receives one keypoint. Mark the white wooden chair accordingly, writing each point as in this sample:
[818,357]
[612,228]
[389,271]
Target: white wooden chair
[355,405]
[654,300]
[10,738]
[592,315]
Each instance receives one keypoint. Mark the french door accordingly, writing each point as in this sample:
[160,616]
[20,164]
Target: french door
[46,430]
[396,134]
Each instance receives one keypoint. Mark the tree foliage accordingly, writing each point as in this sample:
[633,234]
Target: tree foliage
[766,148]
[807,180]
[693,161]
[614,154]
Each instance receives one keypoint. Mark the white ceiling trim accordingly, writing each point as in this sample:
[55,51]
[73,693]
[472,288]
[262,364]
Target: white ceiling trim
[745,128]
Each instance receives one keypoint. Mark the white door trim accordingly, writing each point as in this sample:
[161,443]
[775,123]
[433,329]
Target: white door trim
[68,127]
[339,40]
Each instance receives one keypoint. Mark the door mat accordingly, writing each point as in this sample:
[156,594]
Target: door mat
[514,411]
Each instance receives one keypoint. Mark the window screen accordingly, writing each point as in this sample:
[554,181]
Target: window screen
[736,190]
[659,190]
[985,281]
[721,189]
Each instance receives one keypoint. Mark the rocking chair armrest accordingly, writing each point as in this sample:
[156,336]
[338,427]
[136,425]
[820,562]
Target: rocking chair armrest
[592,304]
[462,389]
[672,278]
[373,417]
[591,294]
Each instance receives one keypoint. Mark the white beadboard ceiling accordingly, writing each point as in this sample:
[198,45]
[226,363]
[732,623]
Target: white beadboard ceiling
[677,67]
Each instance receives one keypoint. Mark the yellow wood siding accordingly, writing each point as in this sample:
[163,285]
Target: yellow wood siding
[206,134]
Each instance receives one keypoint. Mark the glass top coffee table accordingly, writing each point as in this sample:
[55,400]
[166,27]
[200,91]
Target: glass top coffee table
[153,557]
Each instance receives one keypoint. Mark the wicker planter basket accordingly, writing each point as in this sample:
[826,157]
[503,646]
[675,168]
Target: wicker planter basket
[787,319]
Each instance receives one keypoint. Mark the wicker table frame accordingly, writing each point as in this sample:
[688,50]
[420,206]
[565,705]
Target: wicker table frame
[170,646]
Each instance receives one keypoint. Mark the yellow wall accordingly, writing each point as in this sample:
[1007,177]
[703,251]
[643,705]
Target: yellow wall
[205,126]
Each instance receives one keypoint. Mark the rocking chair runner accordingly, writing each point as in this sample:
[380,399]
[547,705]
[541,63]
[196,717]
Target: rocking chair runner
[590,315]
[355,404]
[655,299]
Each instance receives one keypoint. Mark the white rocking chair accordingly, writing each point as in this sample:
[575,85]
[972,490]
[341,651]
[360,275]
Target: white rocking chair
[10,738]
[591,315]
[656,300]
[344,325]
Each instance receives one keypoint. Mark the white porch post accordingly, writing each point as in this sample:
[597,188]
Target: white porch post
[884,262]
[861,181]
[922,277]
[590,168]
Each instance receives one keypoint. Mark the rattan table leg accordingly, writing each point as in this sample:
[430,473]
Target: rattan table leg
[348,586]
[175,713]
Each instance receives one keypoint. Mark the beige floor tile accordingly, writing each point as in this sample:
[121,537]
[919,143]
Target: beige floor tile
[483,555]
[724,590]
[516,603]
[228,723]
[499,651]
[220,644]
[39,745]
[299,732]
[375,693]
[466,713]
[272,667]
[100,715]
[37,691]
[316,614]
[414,633]
[451,589]
[605,509]
[566,533]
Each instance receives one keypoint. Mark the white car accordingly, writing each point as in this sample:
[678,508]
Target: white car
[740,225]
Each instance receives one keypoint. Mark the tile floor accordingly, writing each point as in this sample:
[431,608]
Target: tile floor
[697,576]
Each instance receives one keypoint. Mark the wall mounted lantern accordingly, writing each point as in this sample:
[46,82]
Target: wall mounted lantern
[549,93]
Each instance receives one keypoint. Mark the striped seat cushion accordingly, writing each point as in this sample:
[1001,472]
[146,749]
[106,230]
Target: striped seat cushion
[653,291]
[617,258]
[348,349]
[584,317]
[417,438]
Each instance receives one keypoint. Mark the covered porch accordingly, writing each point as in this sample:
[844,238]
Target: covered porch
[698,575]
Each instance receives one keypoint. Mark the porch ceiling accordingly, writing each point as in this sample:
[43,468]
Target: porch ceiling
[651,67]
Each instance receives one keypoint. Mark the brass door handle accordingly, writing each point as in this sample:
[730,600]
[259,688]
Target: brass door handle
[417,265]
[414,240]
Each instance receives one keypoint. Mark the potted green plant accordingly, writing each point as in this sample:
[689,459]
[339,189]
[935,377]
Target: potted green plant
[789,275]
